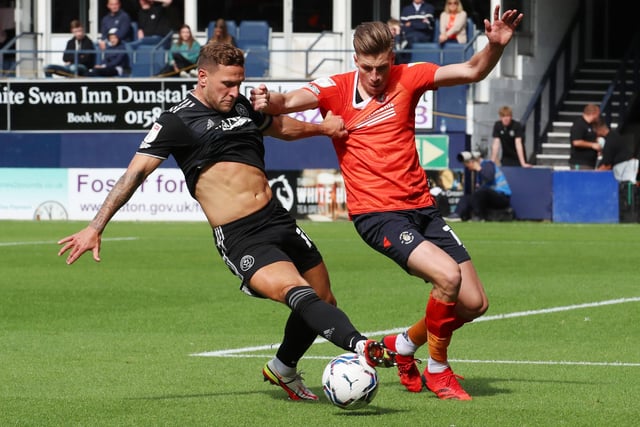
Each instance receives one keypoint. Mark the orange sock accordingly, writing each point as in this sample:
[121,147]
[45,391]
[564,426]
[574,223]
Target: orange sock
[419,336]
[418,332]
[438,348]
[441,322]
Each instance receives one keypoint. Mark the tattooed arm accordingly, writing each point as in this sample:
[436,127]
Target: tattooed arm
[90,237]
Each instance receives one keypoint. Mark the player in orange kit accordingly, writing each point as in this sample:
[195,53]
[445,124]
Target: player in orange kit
[387,190]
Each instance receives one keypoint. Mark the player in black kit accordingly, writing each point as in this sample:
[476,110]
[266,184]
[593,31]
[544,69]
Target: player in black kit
[216,138]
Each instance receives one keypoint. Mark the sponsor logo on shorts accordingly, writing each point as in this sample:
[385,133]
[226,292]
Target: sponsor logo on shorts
[406,237]
[246,262]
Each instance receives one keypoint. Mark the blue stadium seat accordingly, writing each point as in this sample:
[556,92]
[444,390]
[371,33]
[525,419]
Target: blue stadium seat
[134,31]
[426,52]
[254,33]
[147,60]
[256,62]
[452,53]
[471,30]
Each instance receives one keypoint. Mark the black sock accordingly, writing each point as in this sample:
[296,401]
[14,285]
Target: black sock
[325,319]
[298,337]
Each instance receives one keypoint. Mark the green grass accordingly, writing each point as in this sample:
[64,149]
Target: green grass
[111,343]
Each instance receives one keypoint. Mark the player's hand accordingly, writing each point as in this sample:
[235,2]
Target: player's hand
[333,126]
[85,240]
[259,97]
[500,31]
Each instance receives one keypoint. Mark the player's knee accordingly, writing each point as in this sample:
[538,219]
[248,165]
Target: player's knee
[472,308]
[478,309]
[449,282]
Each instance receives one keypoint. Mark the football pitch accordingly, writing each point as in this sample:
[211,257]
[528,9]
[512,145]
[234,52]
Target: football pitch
[158,333]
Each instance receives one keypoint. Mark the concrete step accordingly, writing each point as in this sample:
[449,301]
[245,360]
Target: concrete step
[561,127]
[552,159]
[556,148]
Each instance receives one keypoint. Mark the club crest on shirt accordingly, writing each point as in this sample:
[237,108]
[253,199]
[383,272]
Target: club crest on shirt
[406,237]
[241,110]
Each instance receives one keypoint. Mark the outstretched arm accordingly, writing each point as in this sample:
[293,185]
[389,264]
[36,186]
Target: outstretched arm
[89,238]
[281,103]
[289,129]
[498,33]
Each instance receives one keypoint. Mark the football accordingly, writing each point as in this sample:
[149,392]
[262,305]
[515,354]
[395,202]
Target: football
[349,382]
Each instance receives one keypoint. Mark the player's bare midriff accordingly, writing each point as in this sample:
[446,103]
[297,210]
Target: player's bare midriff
[228,191]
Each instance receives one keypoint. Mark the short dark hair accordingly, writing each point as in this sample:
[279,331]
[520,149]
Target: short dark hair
[220,54]
[75,24]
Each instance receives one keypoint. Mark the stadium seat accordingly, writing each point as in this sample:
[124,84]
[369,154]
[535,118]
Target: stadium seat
[256,62]
[453,53]
[426,52]
[254,33]
[147,60]
[471,30]
[134,31]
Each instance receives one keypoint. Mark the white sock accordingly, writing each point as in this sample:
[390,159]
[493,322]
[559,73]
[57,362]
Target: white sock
[404,345]
[436,367]
[284,370]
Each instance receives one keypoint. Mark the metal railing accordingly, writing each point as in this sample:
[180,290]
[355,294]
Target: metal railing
[7,51]
[8,67]
[560,64]
[627,90]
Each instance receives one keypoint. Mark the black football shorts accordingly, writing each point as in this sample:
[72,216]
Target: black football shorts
[262,238]
[397,233]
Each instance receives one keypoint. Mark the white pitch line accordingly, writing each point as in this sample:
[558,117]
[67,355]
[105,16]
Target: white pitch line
[54,242]
[240,352]
[477,361]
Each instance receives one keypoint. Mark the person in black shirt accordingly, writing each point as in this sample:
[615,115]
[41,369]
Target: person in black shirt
[584,148]
[507,137]
[216,138]
[617,154]
[153,22]
[79,54]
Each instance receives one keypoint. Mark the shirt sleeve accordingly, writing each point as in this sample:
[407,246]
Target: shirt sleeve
[163,137]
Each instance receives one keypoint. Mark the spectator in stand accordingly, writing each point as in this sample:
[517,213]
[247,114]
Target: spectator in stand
[617,154]
[453,23]
[418,22]
[584,148]
[78,57]
[221,33]
[507,138]
[116,18]
[491,189]
[116,58]
[153,22]
[184,54]
[399,42]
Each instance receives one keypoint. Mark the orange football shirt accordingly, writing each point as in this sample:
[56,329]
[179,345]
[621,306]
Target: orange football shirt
[379,160]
